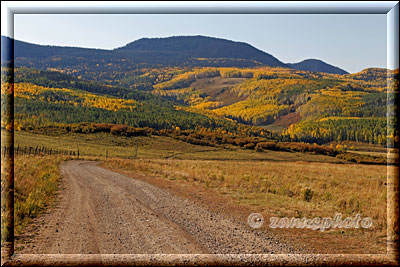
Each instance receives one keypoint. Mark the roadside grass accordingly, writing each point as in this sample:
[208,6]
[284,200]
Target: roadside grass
[276,183]
[291,184]
[36,183]
[285,189]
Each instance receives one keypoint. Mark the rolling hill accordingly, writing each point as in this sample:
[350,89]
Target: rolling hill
[203,47]
[316,65]
[296,105]
[189,51]
[45,97]
[165,83]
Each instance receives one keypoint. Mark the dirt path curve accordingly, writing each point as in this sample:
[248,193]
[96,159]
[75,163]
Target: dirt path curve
[100,211]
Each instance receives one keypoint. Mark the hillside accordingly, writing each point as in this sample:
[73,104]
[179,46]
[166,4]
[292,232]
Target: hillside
[124,65]
[203,47]
[296,105]
[304,106]
[316,66]
[44,98]
[165,83]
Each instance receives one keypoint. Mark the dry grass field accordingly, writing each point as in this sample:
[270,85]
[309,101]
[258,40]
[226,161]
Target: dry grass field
[288,188]
[274,183]
[283,189]
[155,147]
[36,183]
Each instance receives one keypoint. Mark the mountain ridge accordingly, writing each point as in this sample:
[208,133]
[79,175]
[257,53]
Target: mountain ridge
[316,65]
[174,50]
[202,46]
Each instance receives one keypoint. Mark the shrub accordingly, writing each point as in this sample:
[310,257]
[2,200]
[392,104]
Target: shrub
[241,141]
[118,129]
[250,146]
[266,145]
[308,194]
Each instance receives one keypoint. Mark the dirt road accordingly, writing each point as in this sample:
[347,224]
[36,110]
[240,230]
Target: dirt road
[100,211]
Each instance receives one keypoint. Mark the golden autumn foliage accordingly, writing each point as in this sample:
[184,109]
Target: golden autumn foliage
[68,96]
[296,105]
[266,93]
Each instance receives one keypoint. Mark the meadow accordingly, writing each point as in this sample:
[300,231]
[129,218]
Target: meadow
[275,183]
[104,145]
[286,189]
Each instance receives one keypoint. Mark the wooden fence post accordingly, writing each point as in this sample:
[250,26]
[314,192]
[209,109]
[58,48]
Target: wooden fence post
[136,148]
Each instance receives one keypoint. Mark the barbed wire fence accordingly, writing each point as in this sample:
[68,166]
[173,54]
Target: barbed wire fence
[37,151]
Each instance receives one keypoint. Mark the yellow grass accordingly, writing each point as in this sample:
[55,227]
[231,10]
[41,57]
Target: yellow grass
[36,182]
[282,188]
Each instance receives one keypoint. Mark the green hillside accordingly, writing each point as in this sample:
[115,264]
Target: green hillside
[44,97]
[277,98]
[295,105]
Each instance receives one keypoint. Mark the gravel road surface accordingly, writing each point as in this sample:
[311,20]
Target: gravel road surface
[100,211]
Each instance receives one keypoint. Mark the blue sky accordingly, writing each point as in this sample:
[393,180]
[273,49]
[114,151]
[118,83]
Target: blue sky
[352,42]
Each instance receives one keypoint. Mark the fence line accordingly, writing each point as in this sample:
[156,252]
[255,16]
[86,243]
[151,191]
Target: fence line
[42,151]
[36,151]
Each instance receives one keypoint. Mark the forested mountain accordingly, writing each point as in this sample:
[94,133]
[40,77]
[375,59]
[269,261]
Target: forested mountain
[316,66]
[305,106]
[29,50]
[203,47]
[160,83]
[189,51]
[43,98]
[296,105]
